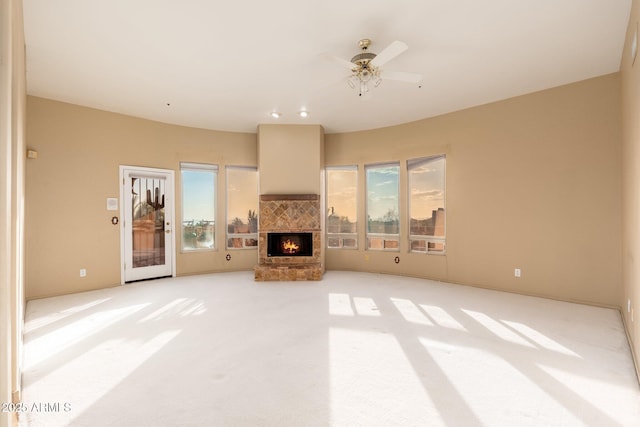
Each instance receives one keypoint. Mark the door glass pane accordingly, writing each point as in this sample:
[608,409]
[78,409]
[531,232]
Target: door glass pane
[147,197]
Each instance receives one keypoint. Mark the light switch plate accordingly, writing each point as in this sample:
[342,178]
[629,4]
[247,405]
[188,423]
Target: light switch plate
[112,204]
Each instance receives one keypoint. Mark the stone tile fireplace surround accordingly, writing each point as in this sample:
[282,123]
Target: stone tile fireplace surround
[289,214]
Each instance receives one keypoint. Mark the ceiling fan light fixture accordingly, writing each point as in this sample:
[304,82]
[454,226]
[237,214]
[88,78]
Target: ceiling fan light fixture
[364,88]
[366,67]
[364,71]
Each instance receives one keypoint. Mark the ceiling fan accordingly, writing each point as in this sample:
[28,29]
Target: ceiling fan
[366,67]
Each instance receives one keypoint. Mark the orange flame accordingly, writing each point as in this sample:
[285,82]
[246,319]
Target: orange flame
[289,247]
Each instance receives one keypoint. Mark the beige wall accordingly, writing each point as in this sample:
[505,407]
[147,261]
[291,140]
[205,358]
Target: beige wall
[547,182]
[18,129]
[291,161]
[290,158]
[532,182]
[12,124]
[631,184]
[79,154]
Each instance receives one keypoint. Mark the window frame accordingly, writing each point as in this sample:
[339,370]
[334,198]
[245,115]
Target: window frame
[198,167]
[433,240]
[341,236]
[243,236]
[386,237]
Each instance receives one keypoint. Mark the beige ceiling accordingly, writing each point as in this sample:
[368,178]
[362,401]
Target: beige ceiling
[227,64]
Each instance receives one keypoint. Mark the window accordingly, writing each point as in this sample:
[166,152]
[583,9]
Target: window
[342,202]
[426,204]
[383,223]
[198,205]
[242,207]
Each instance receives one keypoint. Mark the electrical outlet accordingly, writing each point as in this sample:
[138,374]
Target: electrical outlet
[518,272]
[83,272]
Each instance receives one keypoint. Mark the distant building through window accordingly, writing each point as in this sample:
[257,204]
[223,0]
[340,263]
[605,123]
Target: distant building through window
[342,202]
[424,211]
[427,204]
[382,202]
[242,207]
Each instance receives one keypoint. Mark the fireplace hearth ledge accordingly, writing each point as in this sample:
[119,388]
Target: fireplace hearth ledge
[280,273]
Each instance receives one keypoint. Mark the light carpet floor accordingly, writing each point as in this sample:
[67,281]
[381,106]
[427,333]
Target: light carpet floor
[355,349]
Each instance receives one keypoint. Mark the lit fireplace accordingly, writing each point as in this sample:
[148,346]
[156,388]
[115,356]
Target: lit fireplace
[289,244]
[289,238]
[289,247]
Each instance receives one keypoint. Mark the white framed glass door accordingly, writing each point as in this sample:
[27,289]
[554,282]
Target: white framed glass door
[147,203]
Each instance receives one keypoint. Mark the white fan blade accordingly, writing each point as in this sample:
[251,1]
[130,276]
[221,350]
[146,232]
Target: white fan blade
[401,76]
[347,64]
[390,52]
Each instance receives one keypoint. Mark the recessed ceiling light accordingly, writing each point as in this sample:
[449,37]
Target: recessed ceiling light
[304,113]
[275,114]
